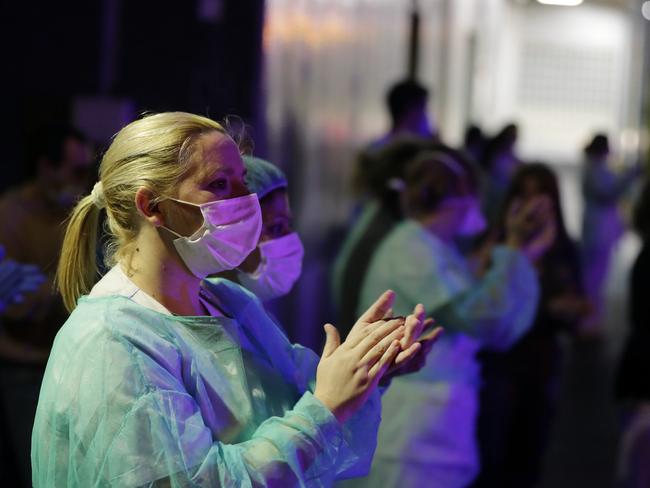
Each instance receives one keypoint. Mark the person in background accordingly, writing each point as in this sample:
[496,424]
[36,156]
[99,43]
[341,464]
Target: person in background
[474,143]
[633,381]
[407,103]
[32,232]
[602,224]
[276,264]
[382,183]
[427,436]
[16,281]
[162,376]
[499,163]
[520,386]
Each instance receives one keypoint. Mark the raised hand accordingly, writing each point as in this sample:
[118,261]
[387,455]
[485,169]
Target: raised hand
[531,226]
[414,346]
[348,373]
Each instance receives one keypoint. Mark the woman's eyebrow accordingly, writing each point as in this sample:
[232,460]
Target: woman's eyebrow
[212,174]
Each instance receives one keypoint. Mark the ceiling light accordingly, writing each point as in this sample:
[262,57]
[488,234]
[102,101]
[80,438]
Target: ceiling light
[645,10]
[561,3]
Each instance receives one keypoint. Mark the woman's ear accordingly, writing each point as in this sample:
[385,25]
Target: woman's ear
[144,202]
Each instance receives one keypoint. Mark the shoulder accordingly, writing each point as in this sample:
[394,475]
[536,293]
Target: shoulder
[410,244]
[112,338]
[408,234]
[114,321]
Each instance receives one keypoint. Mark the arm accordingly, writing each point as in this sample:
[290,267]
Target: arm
[166,432]
[359,433]
[500,307]
[133,422]
[606,187]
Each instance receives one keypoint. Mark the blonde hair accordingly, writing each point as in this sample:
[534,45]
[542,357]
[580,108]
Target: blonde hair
[153,152]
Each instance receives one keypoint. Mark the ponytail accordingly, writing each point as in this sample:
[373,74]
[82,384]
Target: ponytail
[77,270]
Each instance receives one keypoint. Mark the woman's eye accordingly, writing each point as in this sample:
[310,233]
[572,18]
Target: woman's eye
[219,184]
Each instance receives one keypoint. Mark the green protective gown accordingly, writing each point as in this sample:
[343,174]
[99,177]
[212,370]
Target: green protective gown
[135,397]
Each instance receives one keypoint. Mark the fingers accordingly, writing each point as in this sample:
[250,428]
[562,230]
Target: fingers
[332,340]
[378,350]
[418,311]
[406,355]
[414,326]
[423,346]
[376,335]
[378,309]
[432,336]
[538,208]
[380,367]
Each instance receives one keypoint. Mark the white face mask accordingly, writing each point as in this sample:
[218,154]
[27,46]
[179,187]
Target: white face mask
[279,268]
[230,232]
[474,221]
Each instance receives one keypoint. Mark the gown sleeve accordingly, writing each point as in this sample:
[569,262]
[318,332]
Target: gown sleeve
[500,307]
[497,309]
[359,433]
[113,411]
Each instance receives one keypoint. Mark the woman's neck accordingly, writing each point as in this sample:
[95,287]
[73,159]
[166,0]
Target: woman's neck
[156,269]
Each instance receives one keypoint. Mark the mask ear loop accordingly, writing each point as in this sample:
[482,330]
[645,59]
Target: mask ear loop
[173,232]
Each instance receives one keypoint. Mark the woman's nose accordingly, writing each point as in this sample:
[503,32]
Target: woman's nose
[239,189]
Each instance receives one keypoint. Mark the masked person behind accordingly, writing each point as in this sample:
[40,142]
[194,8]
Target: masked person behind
[427,436]
[273,268]
[161,376]
[380,177]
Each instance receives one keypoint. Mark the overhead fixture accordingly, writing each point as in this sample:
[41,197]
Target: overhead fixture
[645,10]
[561,3]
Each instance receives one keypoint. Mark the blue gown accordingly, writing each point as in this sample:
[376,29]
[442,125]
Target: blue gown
[427,435]
[133,396]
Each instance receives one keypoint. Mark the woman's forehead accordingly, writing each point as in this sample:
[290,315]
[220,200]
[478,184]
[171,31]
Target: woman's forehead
[216,151]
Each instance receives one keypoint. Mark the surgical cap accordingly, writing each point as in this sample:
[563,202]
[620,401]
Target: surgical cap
[263,177]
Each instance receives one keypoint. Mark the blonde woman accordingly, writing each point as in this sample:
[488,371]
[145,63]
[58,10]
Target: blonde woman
[161,377]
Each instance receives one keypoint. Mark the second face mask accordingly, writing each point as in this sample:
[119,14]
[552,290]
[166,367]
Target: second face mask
[279,269]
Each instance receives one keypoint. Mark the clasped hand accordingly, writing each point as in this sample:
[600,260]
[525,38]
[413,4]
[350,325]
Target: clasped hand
[378,346]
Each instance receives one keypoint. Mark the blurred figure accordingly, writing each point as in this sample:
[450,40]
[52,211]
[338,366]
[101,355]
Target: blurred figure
[633,381]
[499,163]
[602,224]
[32,232]
[17,280]
[407,104]
[427,436]
[382,183]
[519,394]
[274,267]
[474,143]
